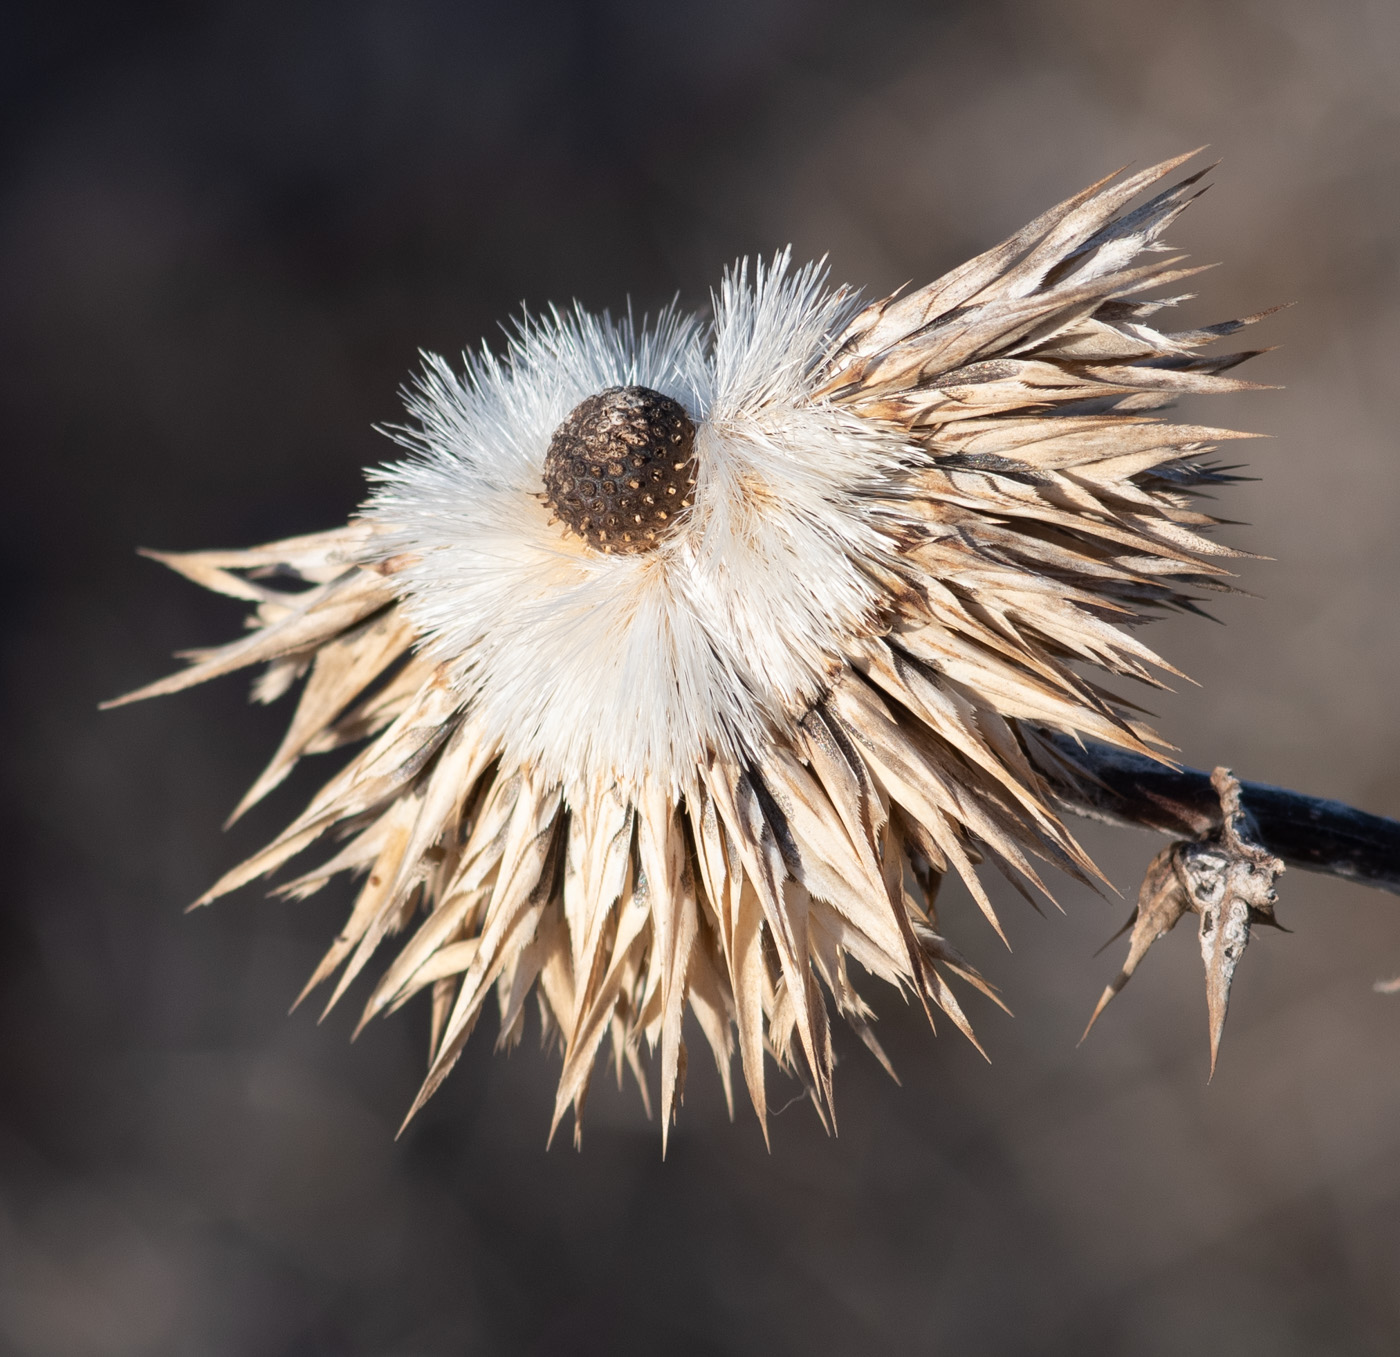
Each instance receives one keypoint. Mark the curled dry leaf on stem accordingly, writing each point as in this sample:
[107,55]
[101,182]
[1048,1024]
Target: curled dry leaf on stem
[1226,879]
[1241,836]
[689,656]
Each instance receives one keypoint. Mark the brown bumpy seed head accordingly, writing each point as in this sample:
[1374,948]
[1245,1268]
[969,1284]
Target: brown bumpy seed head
[621,468]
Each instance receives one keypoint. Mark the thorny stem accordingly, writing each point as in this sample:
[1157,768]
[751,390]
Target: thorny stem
[1310,832]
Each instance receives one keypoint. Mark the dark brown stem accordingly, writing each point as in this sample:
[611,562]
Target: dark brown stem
[1305,831]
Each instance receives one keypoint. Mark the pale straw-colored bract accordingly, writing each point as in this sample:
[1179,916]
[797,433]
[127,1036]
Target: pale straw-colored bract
[710,774]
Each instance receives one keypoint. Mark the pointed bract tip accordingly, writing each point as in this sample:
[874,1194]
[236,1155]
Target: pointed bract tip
[1104,1000]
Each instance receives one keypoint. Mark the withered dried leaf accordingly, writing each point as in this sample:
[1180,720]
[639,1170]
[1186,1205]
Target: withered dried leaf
[1226,879]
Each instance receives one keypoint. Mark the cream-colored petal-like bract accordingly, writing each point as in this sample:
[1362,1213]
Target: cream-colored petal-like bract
[712,773]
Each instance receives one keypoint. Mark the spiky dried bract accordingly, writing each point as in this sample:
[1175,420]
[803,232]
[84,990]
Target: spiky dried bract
[712,774]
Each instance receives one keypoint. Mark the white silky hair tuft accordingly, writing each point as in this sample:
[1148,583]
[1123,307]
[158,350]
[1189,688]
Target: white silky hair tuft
[592,668]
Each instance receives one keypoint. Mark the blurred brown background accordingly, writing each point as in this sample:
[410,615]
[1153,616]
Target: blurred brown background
[225,229]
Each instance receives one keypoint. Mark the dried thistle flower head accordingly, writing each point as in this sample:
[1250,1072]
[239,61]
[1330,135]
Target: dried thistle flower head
[692,656]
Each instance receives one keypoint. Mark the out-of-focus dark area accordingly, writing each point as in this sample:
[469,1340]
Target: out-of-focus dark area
[225,231]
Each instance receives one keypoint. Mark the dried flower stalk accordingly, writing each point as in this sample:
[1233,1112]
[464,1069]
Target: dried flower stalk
[692,657]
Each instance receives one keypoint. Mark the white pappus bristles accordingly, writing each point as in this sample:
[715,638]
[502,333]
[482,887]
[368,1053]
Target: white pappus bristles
[710,769]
